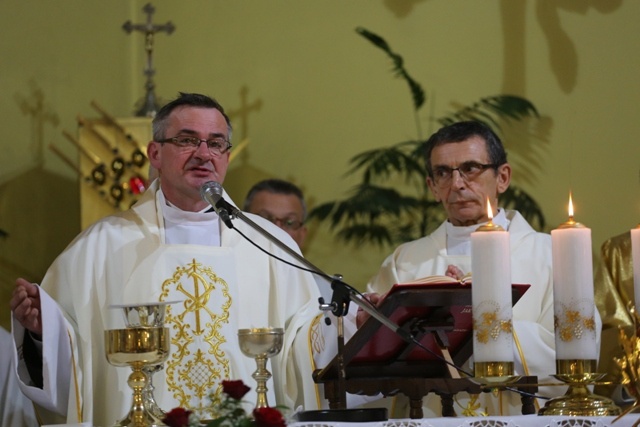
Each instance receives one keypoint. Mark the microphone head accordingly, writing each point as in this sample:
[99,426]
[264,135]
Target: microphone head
[211,192]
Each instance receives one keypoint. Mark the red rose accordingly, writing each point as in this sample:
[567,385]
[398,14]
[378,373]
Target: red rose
[235,389]
[268,417]
[177,417]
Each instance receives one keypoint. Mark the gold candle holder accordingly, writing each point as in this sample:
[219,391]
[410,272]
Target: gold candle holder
[261,344]
[494,373]
[579,400]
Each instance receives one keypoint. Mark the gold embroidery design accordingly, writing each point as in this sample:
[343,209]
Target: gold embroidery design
[488,324]
[316,337]
[197,363]
[473,407]
[571,324]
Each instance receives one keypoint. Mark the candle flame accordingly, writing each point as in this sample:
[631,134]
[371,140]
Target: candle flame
[570,207]
[489,210]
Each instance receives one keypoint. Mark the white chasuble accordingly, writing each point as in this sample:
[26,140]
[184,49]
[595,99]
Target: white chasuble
[203,328]
[122,259]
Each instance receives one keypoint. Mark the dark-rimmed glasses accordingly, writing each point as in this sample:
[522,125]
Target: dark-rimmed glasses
[217,146]
[286,223]
[468,171]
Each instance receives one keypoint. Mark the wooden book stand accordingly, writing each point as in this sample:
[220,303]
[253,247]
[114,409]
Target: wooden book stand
[377,360]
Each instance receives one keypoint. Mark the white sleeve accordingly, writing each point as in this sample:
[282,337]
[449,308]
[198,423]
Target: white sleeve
[57,359]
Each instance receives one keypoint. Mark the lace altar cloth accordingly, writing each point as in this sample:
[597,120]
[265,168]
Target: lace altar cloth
[514,421]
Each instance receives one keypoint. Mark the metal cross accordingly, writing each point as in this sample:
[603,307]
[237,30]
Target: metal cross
[244,110]
[150,105]
[35,107]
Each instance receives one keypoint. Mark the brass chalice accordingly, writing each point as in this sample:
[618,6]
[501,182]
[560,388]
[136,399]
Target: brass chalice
[138,348]
[143,345]
[261,344]
[145,316]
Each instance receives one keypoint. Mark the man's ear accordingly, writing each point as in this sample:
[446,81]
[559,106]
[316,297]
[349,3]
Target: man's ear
[434,189]
[503,178]
[153,152]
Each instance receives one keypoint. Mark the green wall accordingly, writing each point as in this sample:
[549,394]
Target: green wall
[322,94]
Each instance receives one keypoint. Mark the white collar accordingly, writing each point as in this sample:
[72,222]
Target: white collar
[459,237]
[184,227]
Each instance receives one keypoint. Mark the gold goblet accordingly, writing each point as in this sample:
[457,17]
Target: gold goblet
[261,344]
[138,348]
[147,315]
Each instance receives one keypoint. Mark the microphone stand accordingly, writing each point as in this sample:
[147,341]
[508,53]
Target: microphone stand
[342,294]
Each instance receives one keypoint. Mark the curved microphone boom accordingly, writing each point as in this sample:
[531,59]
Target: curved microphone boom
[211,192]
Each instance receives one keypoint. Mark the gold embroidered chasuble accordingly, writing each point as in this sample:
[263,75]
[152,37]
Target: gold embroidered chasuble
[122,259]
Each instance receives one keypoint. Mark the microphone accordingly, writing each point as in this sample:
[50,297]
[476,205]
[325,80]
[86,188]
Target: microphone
[211,192]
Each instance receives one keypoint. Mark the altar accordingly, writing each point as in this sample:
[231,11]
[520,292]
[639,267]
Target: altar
[512,421]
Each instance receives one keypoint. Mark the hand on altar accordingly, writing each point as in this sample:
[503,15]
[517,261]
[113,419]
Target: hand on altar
[361,315]
[25,305]
[455,272]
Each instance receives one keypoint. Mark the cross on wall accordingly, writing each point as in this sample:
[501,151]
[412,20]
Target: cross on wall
[150,104]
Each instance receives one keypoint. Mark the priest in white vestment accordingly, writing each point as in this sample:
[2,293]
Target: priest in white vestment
[170,246]
[467,166]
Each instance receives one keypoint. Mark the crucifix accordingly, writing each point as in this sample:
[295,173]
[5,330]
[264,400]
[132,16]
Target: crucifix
[40,114]
[150,105]
[244,110]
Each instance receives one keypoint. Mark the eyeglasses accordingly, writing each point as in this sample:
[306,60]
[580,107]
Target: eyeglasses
[285,223]
[217,146]
[468,171]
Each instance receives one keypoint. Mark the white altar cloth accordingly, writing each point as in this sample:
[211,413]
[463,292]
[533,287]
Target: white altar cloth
[514,421]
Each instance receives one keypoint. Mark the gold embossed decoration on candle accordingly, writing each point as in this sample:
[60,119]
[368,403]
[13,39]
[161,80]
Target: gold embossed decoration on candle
[491,302]
[574,308]
[574,318]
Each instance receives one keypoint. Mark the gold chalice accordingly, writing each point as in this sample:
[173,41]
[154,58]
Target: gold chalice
[138,348]
[143,345]
[261,344]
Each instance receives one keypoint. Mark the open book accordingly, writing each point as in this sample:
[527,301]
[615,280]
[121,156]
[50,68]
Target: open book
[466,279]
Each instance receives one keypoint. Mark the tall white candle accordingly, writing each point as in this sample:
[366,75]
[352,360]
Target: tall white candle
[573,295]
[491,294]
[635,253]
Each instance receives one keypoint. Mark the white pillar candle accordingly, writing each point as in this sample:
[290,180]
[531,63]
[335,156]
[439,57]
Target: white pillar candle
[574,306]
[491,294]
[635,253]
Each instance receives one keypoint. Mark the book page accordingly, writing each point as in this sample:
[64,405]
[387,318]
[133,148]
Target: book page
[466,279]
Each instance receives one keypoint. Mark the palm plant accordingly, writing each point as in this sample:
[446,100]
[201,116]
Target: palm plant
[378,210]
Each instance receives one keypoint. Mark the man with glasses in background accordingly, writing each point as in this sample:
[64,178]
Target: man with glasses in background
[467,165]
[169,247]
[282,203]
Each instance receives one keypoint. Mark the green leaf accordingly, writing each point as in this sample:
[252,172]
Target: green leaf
[417,93]
[488,110]
[216,423]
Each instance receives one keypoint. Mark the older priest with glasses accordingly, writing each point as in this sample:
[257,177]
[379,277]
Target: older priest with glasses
[467,164]
[170,246]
